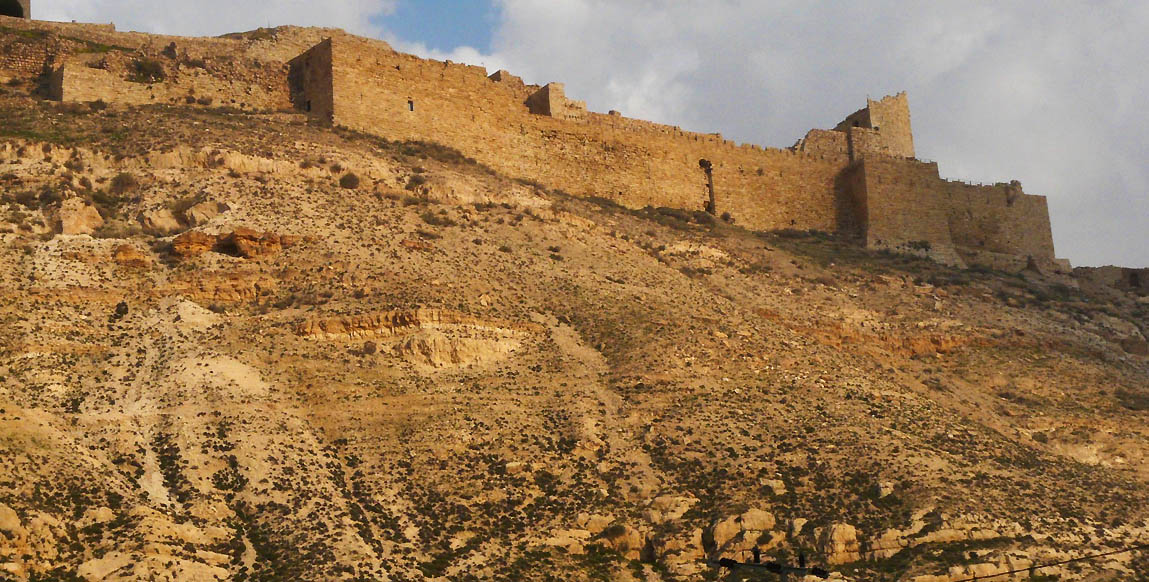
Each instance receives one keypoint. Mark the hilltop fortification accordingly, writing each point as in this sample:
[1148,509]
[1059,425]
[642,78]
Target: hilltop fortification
[859,179]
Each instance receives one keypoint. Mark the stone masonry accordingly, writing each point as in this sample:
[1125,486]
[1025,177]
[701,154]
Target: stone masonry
[860,179]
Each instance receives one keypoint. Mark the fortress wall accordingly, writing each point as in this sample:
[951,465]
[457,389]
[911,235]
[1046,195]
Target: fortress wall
[995,226]
[862,141]
[825,142]
[855,211]
[998,219]
[633,163]
[905,209]
[276,45]
[24,58]
[829,182]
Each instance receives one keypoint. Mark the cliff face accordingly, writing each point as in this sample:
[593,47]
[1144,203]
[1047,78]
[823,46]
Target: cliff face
[286,351]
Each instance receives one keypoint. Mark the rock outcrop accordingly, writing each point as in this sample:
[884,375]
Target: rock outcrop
[203,212]
[127,255]
[402,322]
[241,242]
[839,544]
[78,217]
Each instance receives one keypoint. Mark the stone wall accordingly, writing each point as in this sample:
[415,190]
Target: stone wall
[907,204]
[92,62]
[903,209]
[26,56]
[632,162]
[998,219]
[824,142]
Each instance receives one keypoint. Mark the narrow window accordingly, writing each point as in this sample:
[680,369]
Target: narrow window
[410,105]
[307,106]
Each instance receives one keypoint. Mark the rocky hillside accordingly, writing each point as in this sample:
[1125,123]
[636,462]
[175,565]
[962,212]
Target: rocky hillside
[237,346]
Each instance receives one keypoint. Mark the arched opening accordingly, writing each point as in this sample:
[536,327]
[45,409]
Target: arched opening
[12,8]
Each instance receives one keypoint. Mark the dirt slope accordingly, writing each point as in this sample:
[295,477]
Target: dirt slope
[250,365]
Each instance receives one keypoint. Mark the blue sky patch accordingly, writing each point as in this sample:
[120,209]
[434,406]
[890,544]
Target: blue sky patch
[443,25]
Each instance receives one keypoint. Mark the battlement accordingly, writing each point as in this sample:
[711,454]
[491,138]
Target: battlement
[858,179]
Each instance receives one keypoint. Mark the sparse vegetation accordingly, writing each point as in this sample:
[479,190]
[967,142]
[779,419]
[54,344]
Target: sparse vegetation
[146,70]
[349,181]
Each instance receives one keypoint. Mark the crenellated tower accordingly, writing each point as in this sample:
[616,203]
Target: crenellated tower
[883,127]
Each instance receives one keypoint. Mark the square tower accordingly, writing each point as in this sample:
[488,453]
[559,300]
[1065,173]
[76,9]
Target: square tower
[887,120]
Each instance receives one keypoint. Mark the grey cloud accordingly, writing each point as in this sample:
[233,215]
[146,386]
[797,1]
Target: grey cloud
[1044,92]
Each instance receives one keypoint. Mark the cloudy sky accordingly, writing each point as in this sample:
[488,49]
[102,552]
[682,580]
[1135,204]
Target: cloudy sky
[1043,91]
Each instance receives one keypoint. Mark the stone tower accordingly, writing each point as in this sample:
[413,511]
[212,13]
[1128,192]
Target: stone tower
[16,8]
[889,119]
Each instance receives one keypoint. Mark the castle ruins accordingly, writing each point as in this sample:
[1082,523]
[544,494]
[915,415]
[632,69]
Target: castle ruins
[860,179]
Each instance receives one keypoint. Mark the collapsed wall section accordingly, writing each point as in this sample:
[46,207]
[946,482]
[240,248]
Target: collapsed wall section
[90,62]
[143,80]
[632,162]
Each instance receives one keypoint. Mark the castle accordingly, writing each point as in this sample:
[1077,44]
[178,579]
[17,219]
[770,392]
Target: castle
[860,179]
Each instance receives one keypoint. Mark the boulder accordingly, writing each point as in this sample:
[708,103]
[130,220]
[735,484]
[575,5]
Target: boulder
[884,489]
[1135,346]
[127,255]
[160,222]
[839,544]
[776,485]
[593,523]
[193,244]
[252,244]
[666,508]
[572,540]
[79,217]
[724,531]
[9,521]
[757,520]
[680,547]
[203,212]
[796,526]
